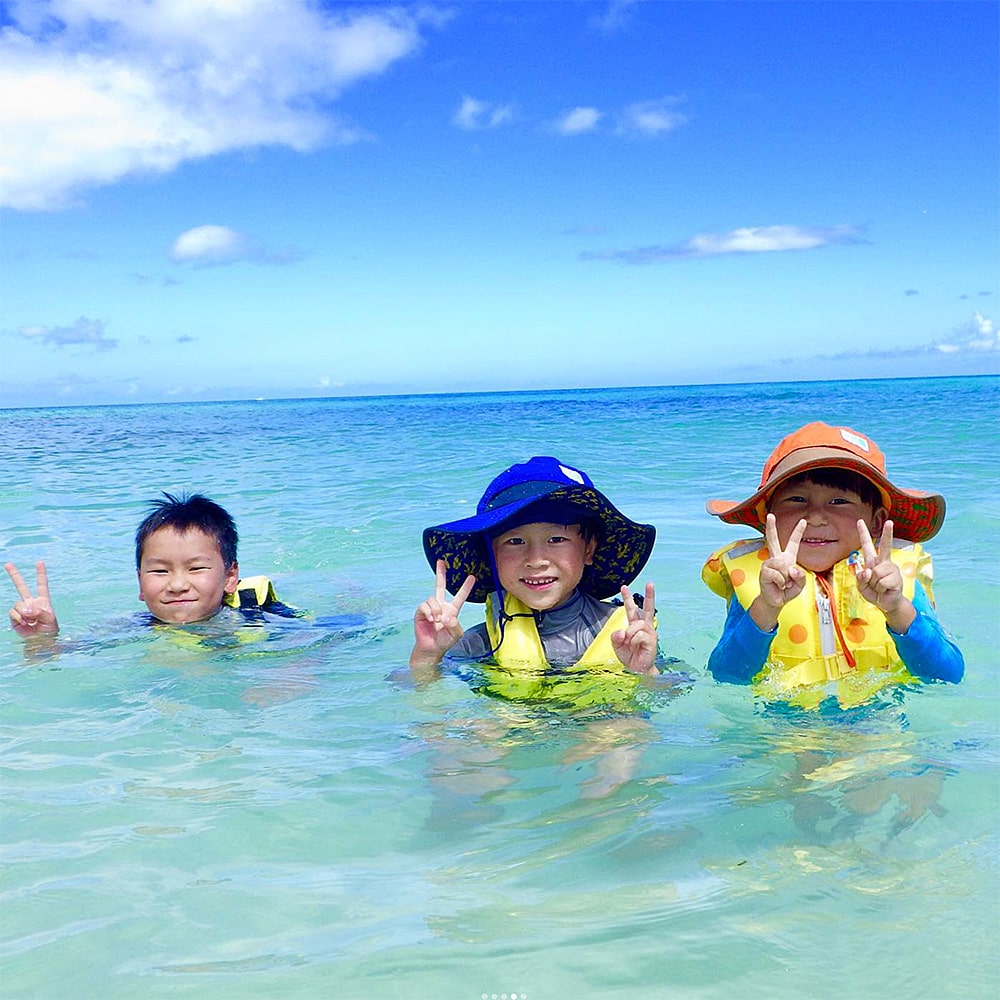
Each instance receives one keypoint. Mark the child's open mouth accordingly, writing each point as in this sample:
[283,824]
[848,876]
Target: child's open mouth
[538,581]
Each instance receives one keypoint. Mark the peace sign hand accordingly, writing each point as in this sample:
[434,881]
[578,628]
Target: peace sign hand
[435,623]
[880,581]
[32,615]
[635,645]
[781,577]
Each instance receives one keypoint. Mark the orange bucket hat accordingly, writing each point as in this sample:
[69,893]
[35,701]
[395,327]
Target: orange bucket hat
[916,515]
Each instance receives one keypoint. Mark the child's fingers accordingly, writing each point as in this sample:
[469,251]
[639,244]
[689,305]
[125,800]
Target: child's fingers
[15,575]
[631,611]
[649,604]
[771,536]
[463,592]
[42,577]
[867,545]
[441,580]
[794,539]
[885,542]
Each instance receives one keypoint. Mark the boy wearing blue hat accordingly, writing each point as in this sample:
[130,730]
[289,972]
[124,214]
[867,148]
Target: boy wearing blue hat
[543,551]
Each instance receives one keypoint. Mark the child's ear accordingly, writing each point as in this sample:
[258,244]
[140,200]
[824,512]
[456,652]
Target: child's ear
[138,576]
[232,579]
[588,552]
[877,522]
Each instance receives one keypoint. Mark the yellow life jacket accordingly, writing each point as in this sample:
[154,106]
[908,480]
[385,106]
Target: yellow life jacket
[520,671]
[252,592]
[828,636]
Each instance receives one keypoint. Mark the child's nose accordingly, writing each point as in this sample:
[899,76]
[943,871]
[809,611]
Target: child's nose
[816,514]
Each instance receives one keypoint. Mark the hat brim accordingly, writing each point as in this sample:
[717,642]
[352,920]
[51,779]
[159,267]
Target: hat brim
[916,515]
[623,547]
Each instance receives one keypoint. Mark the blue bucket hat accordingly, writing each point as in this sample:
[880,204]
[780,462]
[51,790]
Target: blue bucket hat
[541,489]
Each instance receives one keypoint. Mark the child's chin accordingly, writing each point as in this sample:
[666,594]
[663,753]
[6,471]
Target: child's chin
[817,565]
[175,617]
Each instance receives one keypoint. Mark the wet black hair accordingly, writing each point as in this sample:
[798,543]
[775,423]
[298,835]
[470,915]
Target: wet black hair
[841,479]
[185,513]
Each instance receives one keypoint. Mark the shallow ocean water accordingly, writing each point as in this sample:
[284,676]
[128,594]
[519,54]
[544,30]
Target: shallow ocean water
[291,817]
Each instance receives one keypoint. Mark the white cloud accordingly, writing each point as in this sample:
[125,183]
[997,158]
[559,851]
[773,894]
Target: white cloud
[95,90]
[650,118]
[751,239]
[474,115]
[577,120]
[215,244]
[211,244]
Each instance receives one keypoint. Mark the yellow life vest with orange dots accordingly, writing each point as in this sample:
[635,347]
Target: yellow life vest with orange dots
[830,639]
[522,673]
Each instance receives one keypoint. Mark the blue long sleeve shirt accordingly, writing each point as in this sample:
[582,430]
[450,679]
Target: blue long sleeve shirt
[926,649]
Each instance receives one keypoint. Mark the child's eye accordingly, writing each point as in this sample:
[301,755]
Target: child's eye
[514,541]
[557,539]
[840,500]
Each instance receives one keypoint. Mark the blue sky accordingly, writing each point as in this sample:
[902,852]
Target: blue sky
[230,199]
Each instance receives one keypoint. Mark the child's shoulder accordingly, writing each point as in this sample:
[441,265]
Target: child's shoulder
[716,571]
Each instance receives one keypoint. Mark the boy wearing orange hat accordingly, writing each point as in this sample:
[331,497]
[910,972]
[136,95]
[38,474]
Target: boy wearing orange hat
[816,607]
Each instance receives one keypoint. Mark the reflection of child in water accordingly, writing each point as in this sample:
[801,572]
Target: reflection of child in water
[475,762]
[840,794]
[843,781]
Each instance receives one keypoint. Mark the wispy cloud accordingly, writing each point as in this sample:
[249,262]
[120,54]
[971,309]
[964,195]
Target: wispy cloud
[615,16]
[651,118]
[83,333]
[124,88]
[975,338]
[753,239]
[577,121]
[474,115]
[979,336]
[211,245]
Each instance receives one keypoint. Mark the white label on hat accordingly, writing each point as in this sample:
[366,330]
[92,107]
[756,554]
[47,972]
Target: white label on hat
[577,477]
[856,439]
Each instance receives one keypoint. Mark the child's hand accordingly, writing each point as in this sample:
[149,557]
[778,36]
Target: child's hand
[635,645]
[435,624]
[32,615]
[879,580]
[781,578]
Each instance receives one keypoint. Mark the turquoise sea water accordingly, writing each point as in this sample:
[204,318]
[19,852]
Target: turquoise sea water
[286,819]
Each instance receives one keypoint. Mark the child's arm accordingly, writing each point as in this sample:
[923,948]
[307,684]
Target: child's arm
[32,616]
[781,578]
[923,645]
[635,645]
[742,649]
[435,624]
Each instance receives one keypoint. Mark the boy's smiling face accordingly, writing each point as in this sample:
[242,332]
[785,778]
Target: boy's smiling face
[182,577]
[831,515]
[541,564]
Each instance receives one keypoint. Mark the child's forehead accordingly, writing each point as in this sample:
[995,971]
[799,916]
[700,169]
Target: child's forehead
[540,527]
[818,482]
[191,539]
